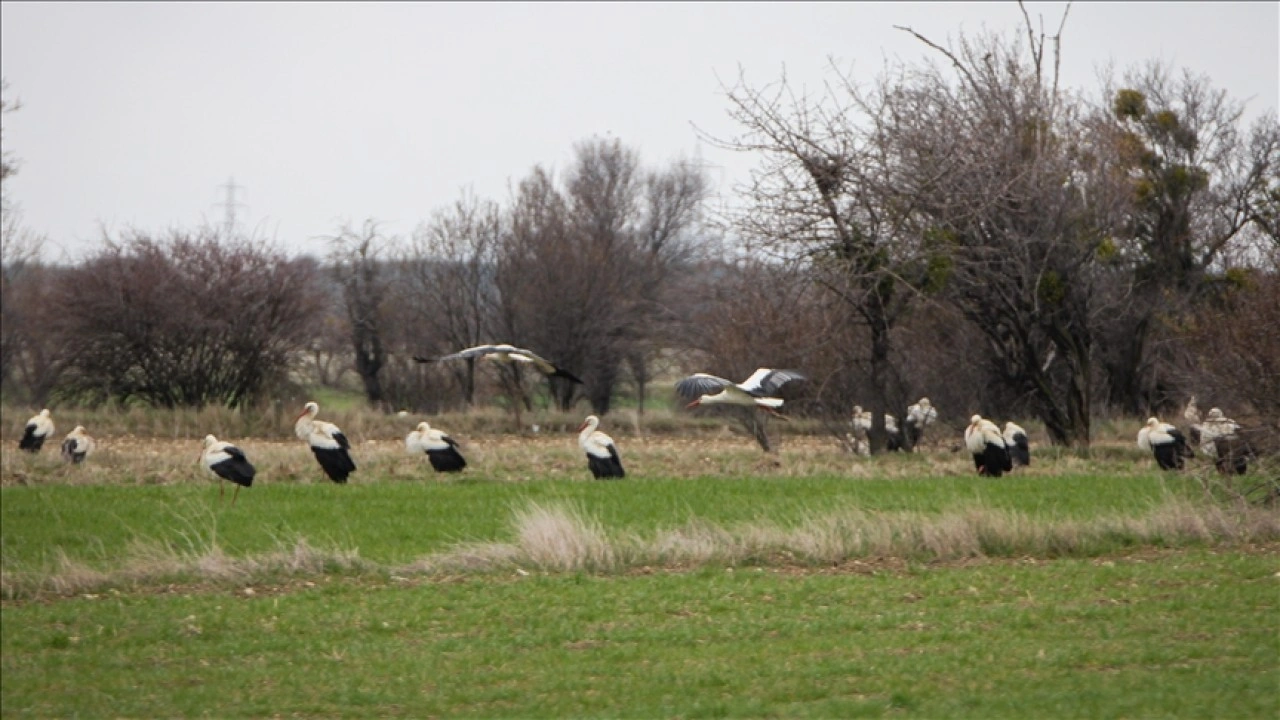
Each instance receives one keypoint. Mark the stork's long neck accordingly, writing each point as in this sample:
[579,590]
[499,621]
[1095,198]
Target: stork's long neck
[302,428]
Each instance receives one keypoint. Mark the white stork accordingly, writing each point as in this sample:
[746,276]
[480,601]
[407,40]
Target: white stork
[327,442]
[77,446]
[602,454]
[755,391]
[1215,425]
[1015,439]
[920,416]
[1191,412]
[439,448]
[229,463]
[38,429]
[862,425]
[1166,442]
[507,354]
[985,441]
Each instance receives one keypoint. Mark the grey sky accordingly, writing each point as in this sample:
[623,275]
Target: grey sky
[135,113]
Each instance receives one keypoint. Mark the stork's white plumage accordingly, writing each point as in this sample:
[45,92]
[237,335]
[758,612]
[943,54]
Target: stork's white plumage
[441,450]
[1191,412]
[862,420]
[985,441]
[755,391]
[919,417]
[37,430]
[1166,442]
[862,426]
[602,453]
[77,446]
[505,353]
[229,463]
[327,443]
[1015,440]
[1216,424]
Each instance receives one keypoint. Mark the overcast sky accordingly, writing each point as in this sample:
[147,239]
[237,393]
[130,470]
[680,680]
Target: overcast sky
[136,114]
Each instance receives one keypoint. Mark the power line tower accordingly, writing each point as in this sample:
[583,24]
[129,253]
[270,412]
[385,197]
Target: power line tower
[229,206]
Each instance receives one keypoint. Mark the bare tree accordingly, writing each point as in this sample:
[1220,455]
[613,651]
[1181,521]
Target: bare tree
[537,287]
[1004,172]
[584,270]
[359,270]
[8,164]
[213,323]
[669,248]
[821,197]
[20,274]
[449,288]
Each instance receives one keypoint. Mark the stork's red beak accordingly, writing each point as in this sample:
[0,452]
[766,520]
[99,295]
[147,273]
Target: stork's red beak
[693,404]
[582,427]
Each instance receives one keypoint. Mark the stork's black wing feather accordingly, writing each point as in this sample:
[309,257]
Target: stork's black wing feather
[774,380]
[700,384]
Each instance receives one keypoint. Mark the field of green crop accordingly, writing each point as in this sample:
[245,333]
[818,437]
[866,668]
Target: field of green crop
[714,581]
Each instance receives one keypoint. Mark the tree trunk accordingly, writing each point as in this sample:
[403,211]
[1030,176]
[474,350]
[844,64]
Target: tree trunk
[878,435]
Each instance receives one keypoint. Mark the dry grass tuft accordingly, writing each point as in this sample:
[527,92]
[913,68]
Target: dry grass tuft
[150,564]
[562,539]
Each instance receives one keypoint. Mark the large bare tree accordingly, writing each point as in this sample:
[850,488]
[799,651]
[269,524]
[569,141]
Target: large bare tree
[1010,199]
[358,266]
[585,269]
[448,281]
[822,196]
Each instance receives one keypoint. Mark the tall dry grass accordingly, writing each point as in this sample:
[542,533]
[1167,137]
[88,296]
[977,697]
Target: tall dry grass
[558,538]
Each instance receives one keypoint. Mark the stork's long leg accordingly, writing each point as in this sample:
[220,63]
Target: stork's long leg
[235,495]
[222,490]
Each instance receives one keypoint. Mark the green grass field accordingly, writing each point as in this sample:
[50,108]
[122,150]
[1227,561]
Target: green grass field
[712,582]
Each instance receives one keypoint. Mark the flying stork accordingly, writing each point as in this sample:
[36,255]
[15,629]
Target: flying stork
[506,354]
[755,391]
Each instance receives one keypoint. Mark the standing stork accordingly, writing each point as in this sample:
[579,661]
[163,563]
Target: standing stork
[1216,424]
[38,429]
[507,354]
[1015,439]
[602,454]
[1191,412]
[77,446]
[862,427]
[229,463]
[1166,442]
[919,416]
[985,441]
[439,448]
[755,391]
[327,442]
